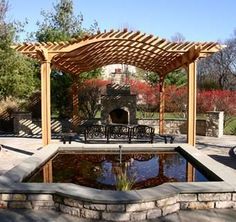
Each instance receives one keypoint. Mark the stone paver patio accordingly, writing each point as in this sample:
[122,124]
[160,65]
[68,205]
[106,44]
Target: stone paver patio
[17,149]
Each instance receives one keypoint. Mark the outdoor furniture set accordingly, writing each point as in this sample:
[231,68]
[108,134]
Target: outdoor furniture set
[117,133]
[122,133]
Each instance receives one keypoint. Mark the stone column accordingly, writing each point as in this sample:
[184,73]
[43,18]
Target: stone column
[215,124]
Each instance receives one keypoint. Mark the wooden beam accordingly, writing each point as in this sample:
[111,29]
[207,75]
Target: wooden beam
[75,105]
[190,173]
[137,46]
[192,93]
[180,60]
[47,173]
[162,105]
[45,97]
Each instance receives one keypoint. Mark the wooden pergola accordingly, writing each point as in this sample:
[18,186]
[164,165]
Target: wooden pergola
[118,47]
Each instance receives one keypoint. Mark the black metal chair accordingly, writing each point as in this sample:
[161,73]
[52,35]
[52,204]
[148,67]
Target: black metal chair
[118,132]
[142,133]
[95,132]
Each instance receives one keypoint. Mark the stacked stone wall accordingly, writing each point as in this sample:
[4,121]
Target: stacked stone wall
[212,126]
[118,211]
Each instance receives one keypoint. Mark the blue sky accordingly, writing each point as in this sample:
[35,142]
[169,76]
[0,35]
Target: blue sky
[197,20]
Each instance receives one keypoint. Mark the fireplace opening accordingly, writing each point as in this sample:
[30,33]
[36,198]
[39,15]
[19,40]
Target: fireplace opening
[119,116]
[118,105]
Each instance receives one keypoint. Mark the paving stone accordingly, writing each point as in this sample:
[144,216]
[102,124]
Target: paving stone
[187,197]
[138,216]
[10,197]
[234,197]
[140,206]
[214,196]
[203,187]
[170,209]
[58,199]
[116,216]
[225,204]
[167,201]
[73,203]
[154,213]
[70,210]
[3,204]
[92,206]
[115,208]
[196,205]
[159,192]
[92,214]
[57,206]
[20,204]
[39,204]
[43,197]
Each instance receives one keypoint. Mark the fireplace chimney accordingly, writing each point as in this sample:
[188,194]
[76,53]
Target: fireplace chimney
[117,71]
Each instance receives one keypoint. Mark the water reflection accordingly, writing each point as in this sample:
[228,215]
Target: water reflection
[104,171]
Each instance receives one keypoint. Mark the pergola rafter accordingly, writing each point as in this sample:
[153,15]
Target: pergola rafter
[134,48]
[120,47]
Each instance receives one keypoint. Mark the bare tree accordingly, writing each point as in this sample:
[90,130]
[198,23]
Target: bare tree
[219,70]
[178,37]
[3,12]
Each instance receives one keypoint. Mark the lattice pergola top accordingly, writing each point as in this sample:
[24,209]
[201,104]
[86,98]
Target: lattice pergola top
[118,47]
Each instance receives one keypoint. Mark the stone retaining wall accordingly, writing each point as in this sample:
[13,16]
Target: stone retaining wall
[212,126]
[119,212]
[175,127]
[108,205]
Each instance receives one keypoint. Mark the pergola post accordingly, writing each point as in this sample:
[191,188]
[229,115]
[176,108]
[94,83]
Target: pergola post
[46,101]
[47,173]
[192,100]
[192,104]
[75,105]
[162,105]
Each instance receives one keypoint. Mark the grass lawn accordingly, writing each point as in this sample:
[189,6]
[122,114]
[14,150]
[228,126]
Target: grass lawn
[230,128]
[155,115]
[140,115]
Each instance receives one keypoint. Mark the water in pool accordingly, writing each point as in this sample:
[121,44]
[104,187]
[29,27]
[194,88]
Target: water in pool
[108,171]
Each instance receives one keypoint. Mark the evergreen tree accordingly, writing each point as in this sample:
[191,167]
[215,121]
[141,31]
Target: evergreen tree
[62,24]
[177,77]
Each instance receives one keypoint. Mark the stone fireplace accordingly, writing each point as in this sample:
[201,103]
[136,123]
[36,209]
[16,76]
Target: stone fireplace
[119,116]
[118,105]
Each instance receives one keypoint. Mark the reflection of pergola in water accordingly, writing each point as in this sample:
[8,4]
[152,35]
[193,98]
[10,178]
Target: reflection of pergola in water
[117,47]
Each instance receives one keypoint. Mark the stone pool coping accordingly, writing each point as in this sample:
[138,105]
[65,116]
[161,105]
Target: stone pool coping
[12,179]
[98,204]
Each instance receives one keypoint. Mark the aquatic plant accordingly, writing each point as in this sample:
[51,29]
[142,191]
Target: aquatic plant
[124,182]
